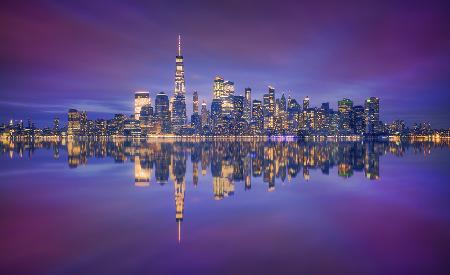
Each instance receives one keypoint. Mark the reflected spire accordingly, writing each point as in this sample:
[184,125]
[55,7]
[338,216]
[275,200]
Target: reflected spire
[179,231]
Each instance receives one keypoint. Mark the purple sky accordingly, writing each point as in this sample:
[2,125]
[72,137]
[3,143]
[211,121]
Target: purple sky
[93,55]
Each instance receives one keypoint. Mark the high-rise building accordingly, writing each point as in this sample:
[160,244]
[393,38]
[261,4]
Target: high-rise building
[257,117]
[248,104]
[141,98]
[56,125]
[271,100]
[216,112]
[372,113]
[195,102]
[180,88]
[146,119]
[204,115]
[178,106]
[218,89]
[178,117]
[162,112]
[358,120]
[283,104]
[227,98]
[238,107]
[345,112]
[84,129]
[294,115]
[73,126]
[306,103]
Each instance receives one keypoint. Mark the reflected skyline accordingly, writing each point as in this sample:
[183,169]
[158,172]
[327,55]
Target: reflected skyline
[231,164]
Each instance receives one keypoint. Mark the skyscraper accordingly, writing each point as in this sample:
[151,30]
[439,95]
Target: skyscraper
[216,112]
[56,125]
[178,113]
[224,91]
[238,107]
[162,112]
[372,112]
[218,89]
[180,88]
[195,102]
[358,120]
[306,103]
[141,98]
[204,116]
[179,99]
[247,104]
[227,98]
[257,117]
[345,112]
[73,126]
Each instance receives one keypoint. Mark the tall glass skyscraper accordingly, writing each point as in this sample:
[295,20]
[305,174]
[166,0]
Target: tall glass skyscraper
[141,98]
[179,99]
[372,112]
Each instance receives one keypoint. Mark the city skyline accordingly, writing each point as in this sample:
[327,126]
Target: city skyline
[317,59]
[230,114]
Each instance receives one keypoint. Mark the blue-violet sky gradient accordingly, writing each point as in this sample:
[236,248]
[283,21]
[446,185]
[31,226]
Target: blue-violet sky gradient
[93,55]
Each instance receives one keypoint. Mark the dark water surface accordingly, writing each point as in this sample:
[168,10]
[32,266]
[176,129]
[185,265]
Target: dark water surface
[242,207]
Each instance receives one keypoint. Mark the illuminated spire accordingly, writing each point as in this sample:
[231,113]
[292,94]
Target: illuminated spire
[179,45]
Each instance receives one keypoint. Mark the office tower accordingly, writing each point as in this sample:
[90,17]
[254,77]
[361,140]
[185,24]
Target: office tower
[141,98]
[162,113]
[280,117]
[372,113]
[179,72]
[216,113]
[195,117]
[218,87]
[321,121]
[248,104]
[238,107]
[195,102]
[178,117]
[196,122]
[334,122]
[325,118]
[178,101]
[204,115]
[306,103]
[146,119]
[294,115]
[83,123]
[73,126]
[311,120]
[271,100]
[257,117]
[227,98]
[283,104]
[56,125]
[358,123]
[269,109]
[345,112]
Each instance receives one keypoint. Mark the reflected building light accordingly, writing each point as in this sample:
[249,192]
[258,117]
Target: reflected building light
[141,174]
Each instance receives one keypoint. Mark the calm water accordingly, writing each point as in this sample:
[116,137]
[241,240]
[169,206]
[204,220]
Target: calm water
[224,208]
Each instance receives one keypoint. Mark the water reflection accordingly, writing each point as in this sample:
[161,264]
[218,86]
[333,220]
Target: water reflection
[228,162]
